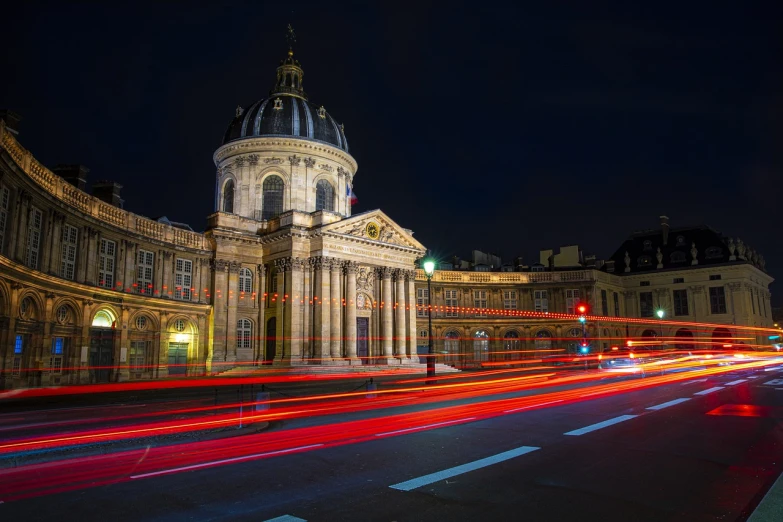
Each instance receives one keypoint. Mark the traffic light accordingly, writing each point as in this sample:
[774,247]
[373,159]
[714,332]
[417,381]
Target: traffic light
[585,347]
[581,308]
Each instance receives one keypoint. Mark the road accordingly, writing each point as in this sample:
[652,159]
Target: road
[702,449]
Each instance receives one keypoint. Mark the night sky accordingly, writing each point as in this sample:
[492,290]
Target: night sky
[501,130]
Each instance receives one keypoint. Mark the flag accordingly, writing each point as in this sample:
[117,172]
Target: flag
[351,195]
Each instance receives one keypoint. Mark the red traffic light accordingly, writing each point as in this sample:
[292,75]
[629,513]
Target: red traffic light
[581,308]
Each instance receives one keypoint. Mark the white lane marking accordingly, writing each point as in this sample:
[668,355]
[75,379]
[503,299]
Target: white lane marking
[598,426]
[286,518]
[667,404]
[774,382]
[224,461]
[532,406]
[464,468]
[424,427]
[732,383]
[693,382]
[709,390]
[753,376]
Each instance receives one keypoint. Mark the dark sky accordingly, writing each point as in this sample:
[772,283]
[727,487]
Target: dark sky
[506,130]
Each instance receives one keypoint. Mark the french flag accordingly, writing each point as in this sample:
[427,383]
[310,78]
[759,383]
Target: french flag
[351,195]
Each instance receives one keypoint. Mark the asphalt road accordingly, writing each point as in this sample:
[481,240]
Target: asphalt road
[699,450]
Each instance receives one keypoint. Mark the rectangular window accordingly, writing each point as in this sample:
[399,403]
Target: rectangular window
[106,265]
[68,260]
[616,298]
[572,298]
[715,277]
[18,345]
[678,280]
[541,302]
[34,238]
[644,283]
[646,304]
[5,201]
[145,262]
[604,303]
[680,302]
[717,300]
[422,302]
[509,300]
[16,368]
[480,302]
[137,354]
[56,360]
[183,279]
[452,307]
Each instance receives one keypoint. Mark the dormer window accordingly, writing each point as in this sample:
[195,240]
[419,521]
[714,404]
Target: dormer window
[647,244]
[278,104]
[537,268]
[644,261]
[680,240]
[322,113]
[677,257]
[713,253]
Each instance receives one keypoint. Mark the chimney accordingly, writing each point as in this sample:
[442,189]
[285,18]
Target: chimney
[76,175]
[610,265]
[108,191]
[665,229]
[11,120]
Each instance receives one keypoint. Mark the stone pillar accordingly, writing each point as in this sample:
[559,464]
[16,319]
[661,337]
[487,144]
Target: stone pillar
[84,355]
[411,326]
[232,298]
[123,372]
[201,347]
[131,250]
[350,313]
[167,269]
[21,229]
[260,333]
[387,316]
[336,309]
[55,259]
[322,315]
[295,305]
[278,301]
[7,349]
[399,316]
[81,254]
[93,256]
[47,236]
[307,300]
[219,299]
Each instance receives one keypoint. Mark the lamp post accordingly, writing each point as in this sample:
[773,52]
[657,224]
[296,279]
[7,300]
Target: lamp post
[660,315]
[429,269]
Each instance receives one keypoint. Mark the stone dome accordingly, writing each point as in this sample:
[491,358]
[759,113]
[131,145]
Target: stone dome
[286,112]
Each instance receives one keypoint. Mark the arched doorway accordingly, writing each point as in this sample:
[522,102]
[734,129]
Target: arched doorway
[271,340]
[511,345]
[575,335]
[543,343]
[721,338]
[451,347]
[684,339]
[102,332]
[480,346]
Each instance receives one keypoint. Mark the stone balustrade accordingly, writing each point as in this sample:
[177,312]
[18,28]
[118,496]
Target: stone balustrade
[454,276]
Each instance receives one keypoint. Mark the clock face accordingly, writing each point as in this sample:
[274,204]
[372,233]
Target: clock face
[373,230]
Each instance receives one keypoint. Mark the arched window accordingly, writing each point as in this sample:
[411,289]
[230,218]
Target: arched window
[511,345]
[103,319]
[244,330]
[481,346]
[245,280]
[228,196]
[451,347]
[324,196]
[543,341]
[272,197]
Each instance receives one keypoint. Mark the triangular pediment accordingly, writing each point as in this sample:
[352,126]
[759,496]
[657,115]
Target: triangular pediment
[374,226]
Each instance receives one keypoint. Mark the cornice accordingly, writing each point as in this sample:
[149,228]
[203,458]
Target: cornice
[303,146]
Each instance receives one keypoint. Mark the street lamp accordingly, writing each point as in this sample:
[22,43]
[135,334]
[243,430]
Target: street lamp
[429,269]
[660,315]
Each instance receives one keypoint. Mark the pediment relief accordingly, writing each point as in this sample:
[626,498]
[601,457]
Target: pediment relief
[376,227]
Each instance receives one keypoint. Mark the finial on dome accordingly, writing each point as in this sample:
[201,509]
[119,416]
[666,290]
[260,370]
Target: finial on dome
[289,73]
[290,37]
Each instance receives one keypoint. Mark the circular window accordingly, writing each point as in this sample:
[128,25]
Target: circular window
[575,332]
[26,308]
[63,313]
[141,323]
[179,325]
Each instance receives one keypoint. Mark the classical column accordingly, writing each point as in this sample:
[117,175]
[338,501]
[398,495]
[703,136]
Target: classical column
[307,316]
[219,298]
[410,305]
[21,230]
[387,315]
[350,313]
[47,236]
[167,270]
[92,257]
[322,314]
[231,298]
[399,316]
[336,308]
[123,372]
[84,356]
[260,333]
[295,305]
[279,303]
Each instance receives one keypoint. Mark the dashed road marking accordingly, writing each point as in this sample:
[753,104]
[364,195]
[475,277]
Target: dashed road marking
[598,426]
[464,468]
[694,382]
[732,383]
[774,382]
[667,404]
[423,427]
[709,390]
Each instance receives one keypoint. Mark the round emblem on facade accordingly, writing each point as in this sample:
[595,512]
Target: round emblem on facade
[373,230]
